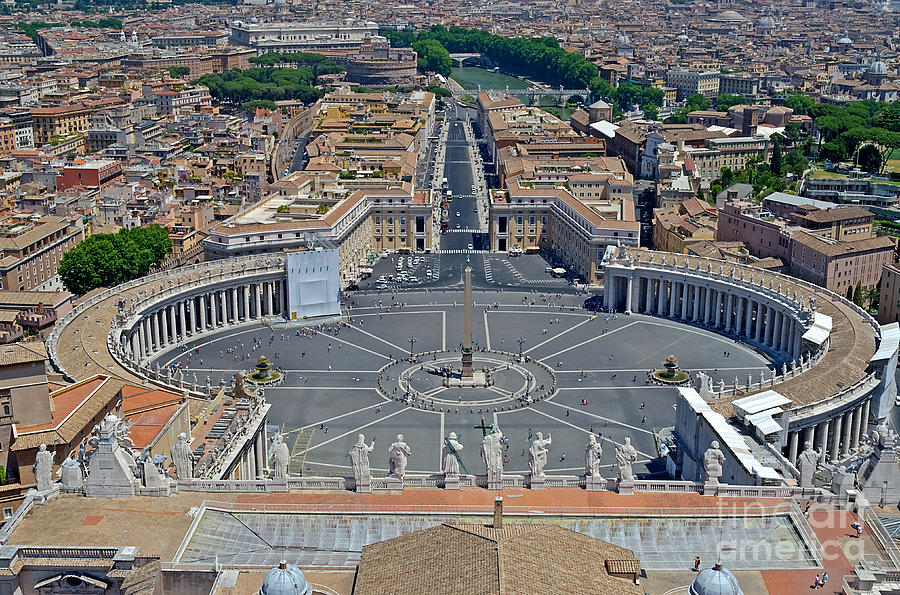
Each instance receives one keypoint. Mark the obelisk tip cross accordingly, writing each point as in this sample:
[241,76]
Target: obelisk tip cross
[467,371]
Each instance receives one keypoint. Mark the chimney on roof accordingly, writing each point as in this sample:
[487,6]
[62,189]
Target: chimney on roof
[498,512]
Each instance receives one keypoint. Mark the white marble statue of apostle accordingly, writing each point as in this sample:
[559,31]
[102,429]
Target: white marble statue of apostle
[183,458]
[712,462]
[43,468]
[359,460]
[592,453]
[492,454]
[806,463]
[537,454]
[279,457]
[626,456]
[449,460]
[398,452]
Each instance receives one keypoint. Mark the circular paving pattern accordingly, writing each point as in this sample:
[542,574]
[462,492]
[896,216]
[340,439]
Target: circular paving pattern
[340,381]
[428,382]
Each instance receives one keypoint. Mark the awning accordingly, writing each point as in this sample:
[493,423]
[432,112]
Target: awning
[820,330]
[890,340]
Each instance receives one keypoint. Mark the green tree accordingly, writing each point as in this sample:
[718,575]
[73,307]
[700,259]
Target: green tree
[433,57]
[799,102]
[849,295]
[106,260]
[696,101]
[869,158]
[651,112]
[777,163]
[857,294]
[727,100]
[177,72]
[871,297]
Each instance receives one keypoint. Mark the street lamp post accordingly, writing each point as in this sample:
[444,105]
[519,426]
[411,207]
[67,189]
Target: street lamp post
[521,341]
[412,342]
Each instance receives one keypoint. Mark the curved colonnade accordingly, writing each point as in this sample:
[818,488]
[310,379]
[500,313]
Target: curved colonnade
[832,361]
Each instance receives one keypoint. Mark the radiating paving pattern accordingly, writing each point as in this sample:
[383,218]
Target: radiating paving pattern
[751,542]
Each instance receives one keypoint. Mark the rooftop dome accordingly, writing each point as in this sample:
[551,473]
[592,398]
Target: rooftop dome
[845,40]
[622,39]
[715,581]
[728,16]
[766,22]
[285,579]
[683,37]
[878,67]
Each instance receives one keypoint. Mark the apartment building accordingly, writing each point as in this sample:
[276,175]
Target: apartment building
[854,187]
[739,83]
[688,82]
[734,152]
[92,173]
[31,249]
[835,248]
[569,207]
[889,302]
[361,217]
[302,36]
[58,121]
[171,101]
[676,228]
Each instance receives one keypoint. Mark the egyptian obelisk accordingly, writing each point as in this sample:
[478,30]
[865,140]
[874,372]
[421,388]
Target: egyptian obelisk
[467,327]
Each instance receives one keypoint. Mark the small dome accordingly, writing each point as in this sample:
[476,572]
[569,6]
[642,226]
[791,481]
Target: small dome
[729,16]
[715,581]
[766,22]
[878,67]
[285,579]
[622,39]
[683,37]
[845,40]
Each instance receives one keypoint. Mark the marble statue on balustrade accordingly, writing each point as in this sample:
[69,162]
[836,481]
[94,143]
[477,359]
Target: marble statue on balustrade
[592,453]
[43,468]
[704,386]
[713,459]
[806,463]
[183,458]
[71,471]
[537,454]
[359,460]
[450,455]
[626,456]
[492,455]
[279,457]
[398,452]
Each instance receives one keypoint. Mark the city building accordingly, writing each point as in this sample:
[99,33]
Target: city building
[31,248]
[688,82]
[377,63]
[854,187]
[89,174]
[50,123]
[835,248]
[302,36]
[676,228]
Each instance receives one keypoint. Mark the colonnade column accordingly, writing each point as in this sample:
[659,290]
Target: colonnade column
[748,322]
[270,298]
[661,297]
[793,446]
[258,452]
[729,304]
[258,296]
[836,439]
[845,439]
[192,312]
[203,313]
[865,417]
[672,299]
[857,416]
[695,301]
[246,291]
[173,327]
[822,431]
[718,316]
[707,305]
[234,305]
[154,339]
[181,318]
[759,322]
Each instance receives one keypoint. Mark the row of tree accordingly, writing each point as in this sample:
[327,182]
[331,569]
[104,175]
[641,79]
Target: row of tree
[239,86]
[106,260]
[538,58]
[317,63]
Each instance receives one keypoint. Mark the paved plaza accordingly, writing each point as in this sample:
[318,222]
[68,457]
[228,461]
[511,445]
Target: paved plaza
[600,364]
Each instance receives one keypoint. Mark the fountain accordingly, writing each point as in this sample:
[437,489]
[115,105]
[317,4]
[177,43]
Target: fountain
[264,373]
[670,374]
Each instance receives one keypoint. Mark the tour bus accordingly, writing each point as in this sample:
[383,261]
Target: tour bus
[532,250]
